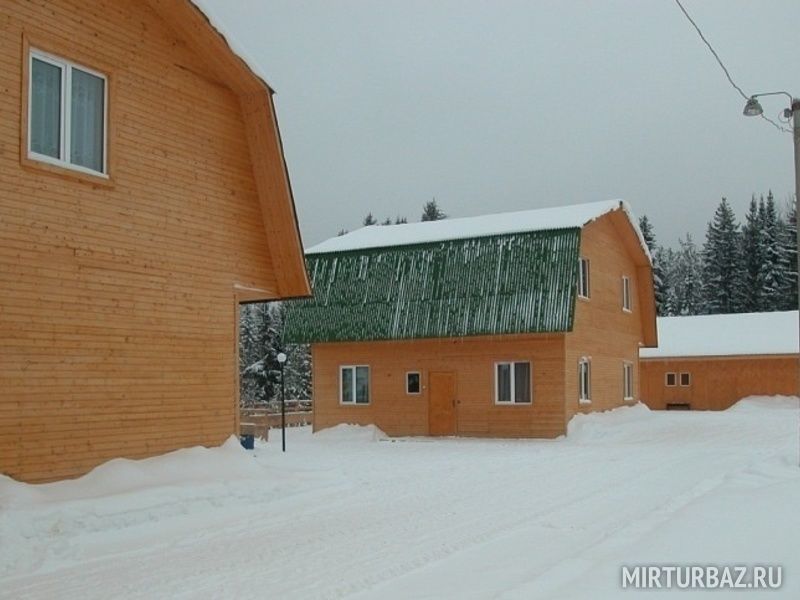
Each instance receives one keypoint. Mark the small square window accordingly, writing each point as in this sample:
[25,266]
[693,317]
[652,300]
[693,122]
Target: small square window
[412,382]
[583,278]
[686,380]
[671,379]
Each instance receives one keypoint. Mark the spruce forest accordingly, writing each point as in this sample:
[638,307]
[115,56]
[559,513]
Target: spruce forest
[741,266]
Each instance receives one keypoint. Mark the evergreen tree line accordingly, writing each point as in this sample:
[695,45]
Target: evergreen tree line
[430,212]
[260,342]
[741,267]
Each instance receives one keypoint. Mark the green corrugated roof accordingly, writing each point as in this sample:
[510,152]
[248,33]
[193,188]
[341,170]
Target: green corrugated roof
[516,283]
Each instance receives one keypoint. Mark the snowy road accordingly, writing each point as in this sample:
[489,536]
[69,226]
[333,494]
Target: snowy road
[343,514]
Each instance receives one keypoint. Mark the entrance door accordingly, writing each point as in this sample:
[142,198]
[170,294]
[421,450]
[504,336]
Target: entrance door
[442,403]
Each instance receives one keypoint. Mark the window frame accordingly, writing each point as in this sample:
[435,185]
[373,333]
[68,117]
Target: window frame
[584,282]
[587,362]
[626,294]
[353,402]
[627,381]
[419,382]
[666,379]
[512,382]
[680,379]
[65,105]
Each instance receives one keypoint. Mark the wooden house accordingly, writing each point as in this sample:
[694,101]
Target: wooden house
[143,196]
[709,362]
[502,325]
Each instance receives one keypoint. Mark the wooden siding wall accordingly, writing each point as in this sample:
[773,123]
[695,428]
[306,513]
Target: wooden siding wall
[117,325]
[718,382]
[602,331]
[471,359]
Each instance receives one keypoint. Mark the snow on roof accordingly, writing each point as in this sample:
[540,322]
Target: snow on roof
[726,335]
[212,12]
[542,219]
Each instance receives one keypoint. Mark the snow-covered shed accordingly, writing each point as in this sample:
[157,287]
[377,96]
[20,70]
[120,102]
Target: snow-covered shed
[501,325]
[709,362]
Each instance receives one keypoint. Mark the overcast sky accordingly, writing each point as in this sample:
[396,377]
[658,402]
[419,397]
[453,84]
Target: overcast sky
[498,106]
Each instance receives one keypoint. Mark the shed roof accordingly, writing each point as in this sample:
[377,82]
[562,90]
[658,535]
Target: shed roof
[725,335]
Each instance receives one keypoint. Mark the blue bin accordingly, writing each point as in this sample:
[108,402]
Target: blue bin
[248,441]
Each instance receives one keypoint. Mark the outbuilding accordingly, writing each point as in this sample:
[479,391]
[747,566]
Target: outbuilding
[709,362]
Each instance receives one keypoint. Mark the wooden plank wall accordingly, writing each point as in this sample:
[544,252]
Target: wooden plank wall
[716,383]
[472,359]
[116,299]
[602,330]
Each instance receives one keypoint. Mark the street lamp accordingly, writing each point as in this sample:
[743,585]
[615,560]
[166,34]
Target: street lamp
[753,109]
[282,361]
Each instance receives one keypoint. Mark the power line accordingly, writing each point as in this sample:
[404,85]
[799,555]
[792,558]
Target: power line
[722,65]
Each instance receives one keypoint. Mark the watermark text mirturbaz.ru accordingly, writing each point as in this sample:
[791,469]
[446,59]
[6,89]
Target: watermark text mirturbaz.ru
[697,577]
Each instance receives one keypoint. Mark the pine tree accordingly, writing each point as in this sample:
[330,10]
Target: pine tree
[431,212]
[789,253]
[660,282]
[687,283]
[721,263]
[398,220]
[775,264]
[386,221]
[752,280]
[370,220]
[342,232]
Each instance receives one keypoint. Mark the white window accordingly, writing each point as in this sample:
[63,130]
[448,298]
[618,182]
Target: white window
[412,383]
[584,380]
[513,383]
[670,379]
[686,380]
[67,113]
[354,384]
[627,381]
[583,278]
[626,294]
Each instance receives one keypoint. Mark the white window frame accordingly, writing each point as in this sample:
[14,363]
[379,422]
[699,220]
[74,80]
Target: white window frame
[666,379]
[512,383]
[627,380]
[419,375]
[680,379]
[626,293]
[585,396]
[352,401]
[65,140]
[584,285]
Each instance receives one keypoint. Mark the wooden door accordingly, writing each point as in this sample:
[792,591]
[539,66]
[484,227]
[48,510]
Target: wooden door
[442,403]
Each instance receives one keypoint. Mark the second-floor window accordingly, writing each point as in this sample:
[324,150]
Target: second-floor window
[583,278]
[67,110]
[626,294]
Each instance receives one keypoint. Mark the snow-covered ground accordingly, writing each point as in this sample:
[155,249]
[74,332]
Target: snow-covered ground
[346,513]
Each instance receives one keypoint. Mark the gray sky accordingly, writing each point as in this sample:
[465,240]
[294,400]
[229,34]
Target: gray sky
[496,106]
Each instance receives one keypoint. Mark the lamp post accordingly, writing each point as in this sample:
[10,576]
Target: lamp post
[753,109]
[282,361]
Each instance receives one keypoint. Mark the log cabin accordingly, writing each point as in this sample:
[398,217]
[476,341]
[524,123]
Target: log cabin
[143,197]
[501,325]
[709,362]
